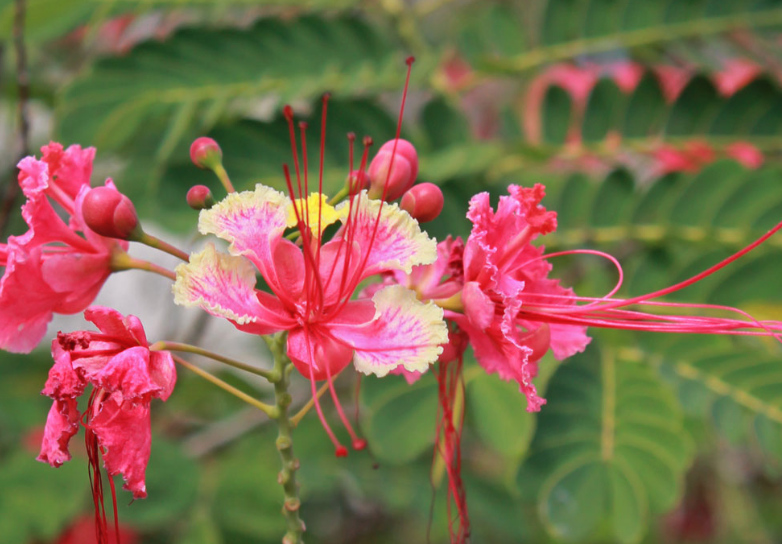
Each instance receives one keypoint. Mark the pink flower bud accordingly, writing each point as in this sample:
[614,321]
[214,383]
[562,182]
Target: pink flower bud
[110,213]
[403,173]
[423,202]
[199,197]
[205,153]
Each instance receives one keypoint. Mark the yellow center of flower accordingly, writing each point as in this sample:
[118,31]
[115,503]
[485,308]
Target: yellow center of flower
[320,212]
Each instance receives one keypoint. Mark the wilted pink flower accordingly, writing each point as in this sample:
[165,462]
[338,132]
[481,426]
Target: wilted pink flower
[312,283]
[54,267]
[125,376]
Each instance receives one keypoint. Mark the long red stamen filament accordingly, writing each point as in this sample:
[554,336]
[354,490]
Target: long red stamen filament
[287,111]
[320,169]
[341,451]
[358,443]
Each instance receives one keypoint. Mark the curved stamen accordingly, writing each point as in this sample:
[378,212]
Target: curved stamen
[341,451]
[358,443]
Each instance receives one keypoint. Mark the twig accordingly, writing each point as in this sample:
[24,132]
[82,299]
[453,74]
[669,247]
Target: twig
[23,89]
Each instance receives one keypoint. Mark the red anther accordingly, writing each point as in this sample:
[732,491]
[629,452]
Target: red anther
[390,186]
[199,197]
[423,202]
[351,136]
[326,96]
[342,451]
[410,60]
[287,111]
[303,125]
[359,444]
[367,141]
[205,153]
[110,213]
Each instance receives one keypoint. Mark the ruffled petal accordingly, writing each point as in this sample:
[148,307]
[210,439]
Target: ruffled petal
[398,243]
[163,373]
[127,331]
[26,302]
[128,373]
[61,424]
[403,332]
[63,381]
[33,177]
[478,307]
[253,222]
[224,286]
[123,430]
[70,169]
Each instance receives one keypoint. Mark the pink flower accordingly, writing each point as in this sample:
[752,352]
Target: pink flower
[125,376]
[54,267]
[502,270]
[311,284]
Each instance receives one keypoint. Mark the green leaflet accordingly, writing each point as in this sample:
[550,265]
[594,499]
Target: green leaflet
[610,449]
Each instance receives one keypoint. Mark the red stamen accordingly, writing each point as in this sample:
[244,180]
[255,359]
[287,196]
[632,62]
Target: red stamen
[341,451]
[358,443]
[287,112]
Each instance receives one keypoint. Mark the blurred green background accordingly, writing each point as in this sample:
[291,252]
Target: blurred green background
[655,125]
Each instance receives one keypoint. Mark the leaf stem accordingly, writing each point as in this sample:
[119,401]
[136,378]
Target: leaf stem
[284,443]
[122,261]
[157,243]
[270,411]
[178,346]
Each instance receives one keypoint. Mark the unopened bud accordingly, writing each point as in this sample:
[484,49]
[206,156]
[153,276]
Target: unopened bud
[110,213]
[423,202]
[403,173]
[205,153]
[199,197]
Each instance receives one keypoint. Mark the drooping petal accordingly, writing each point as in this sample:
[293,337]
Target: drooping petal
[78,276]
[253,222]
[163,373]
[127,373]
[26,302]
[63,381]
[392,242]
[61,424]
[403,332]
[123,431]
[317,355]
[224,286]
[112,323]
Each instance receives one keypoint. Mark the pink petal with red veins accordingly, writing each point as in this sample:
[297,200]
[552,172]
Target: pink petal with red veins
[398,242]
[70,169]
[26,302]
[61,424]
[403,332]
[123,430]
[316,355]
[333,258]
[253,221]
[224,286]
[63,381]
[163,372]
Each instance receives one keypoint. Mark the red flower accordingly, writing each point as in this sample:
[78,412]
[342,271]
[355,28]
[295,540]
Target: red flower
[125,376]
[54,267]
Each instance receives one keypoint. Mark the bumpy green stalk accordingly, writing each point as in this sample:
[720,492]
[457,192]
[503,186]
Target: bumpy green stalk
[287,476]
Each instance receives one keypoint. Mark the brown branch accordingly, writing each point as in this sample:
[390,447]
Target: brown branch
[23,91]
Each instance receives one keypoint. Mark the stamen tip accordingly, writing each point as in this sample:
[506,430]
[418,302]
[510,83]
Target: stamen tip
[303,125]
[326,97]
[287,111]
[368,141]
[342,451]
[351,136]
[410,60]
[359,444]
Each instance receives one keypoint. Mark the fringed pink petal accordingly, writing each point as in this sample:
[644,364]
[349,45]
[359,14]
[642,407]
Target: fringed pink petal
[128,373]
[61,424]
[69,169]
[123,431]
[63,381]
[403,332]
[224,286]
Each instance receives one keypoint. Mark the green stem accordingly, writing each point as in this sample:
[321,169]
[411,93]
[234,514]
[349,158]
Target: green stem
[222,175]
[122,261]
[157,243]
[178,346]
[287,476]
[270,411]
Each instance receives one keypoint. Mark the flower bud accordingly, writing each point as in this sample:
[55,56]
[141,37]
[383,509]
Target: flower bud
[110,213]
[199,197]
[423,202]
[205,153]
[403,173]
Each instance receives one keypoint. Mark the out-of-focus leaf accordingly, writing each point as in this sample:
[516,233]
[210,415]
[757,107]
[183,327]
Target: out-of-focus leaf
[38,501]
[610,449]
[399,419]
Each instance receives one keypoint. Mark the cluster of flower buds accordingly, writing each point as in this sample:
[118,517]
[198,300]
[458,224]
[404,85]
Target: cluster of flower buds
[392,174]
